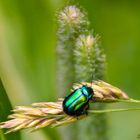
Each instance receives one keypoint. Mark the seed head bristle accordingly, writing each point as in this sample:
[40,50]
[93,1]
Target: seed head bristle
[43,114]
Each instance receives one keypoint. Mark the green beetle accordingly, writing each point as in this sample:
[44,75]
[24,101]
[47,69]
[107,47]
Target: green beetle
[77,102]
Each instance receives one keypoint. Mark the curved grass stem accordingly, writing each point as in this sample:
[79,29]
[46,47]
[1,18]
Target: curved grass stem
[112,110]
[128,101]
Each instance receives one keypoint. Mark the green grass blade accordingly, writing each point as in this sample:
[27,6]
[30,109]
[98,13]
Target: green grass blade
[5,108]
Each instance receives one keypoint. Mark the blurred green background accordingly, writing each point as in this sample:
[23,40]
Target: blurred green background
[28,57]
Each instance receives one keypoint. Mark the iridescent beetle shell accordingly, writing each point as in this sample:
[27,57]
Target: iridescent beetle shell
[77,102]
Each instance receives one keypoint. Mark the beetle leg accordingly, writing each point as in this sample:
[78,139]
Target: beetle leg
[86,108]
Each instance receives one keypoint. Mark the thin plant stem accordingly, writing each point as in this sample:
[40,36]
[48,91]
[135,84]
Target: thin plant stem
[112,110]
[128,101]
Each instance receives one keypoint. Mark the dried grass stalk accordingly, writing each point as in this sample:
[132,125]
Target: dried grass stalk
[44,114]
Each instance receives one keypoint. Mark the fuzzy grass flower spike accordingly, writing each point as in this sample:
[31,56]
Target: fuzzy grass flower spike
[71,15]
[51,114]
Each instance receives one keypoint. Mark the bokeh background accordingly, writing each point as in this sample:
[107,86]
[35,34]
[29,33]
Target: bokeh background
[28,56]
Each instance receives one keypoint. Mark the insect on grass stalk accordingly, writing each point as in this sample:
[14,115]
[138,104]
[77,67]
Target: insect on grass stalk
[40,115]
